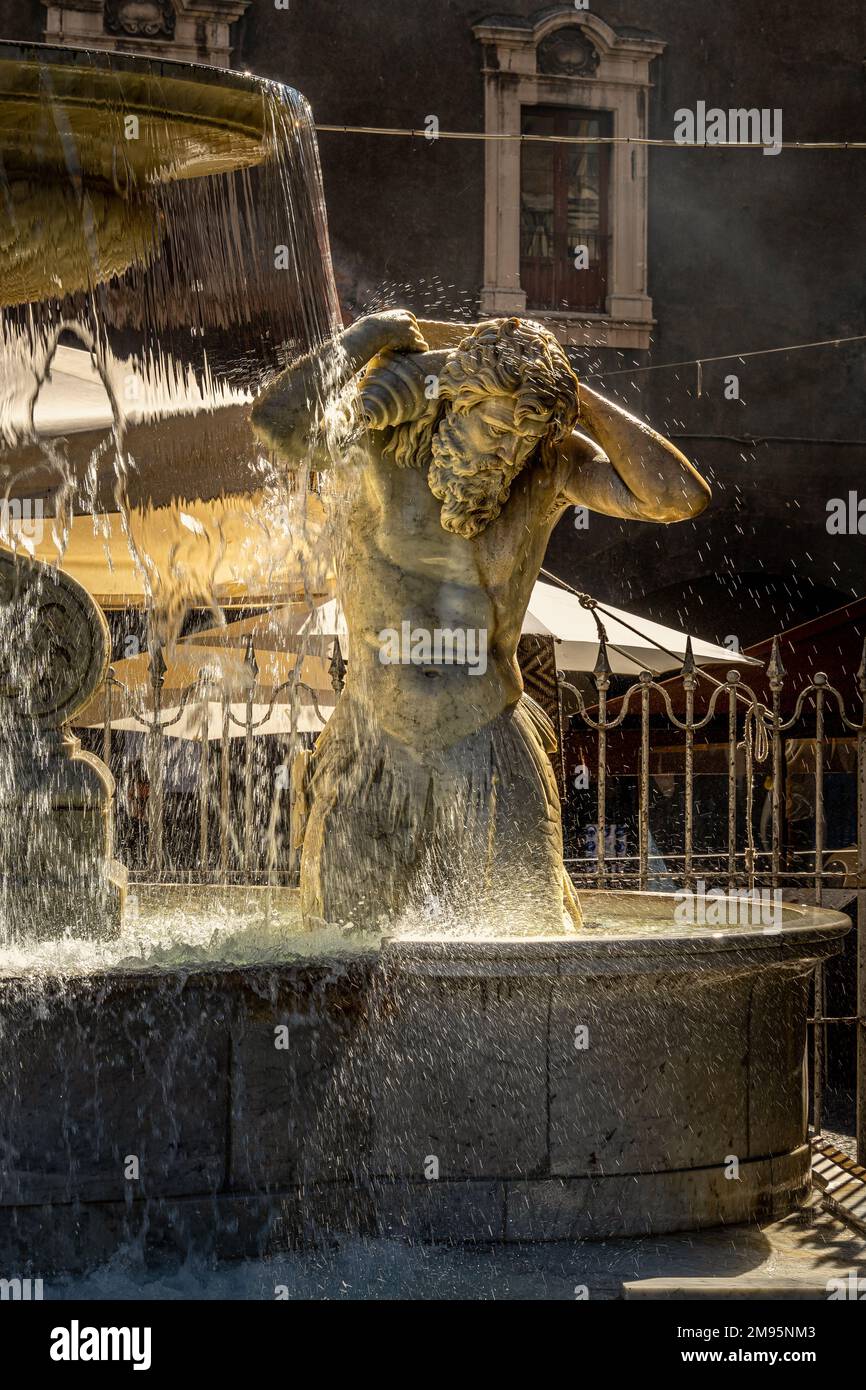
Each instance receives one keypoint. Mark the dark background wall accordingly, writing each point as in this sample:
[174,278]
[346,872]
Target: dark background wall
[745,252]
[22,19]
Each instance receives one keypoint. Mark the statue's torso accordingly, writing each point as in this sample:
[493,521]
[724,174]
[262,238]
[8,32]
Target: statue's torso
[402,567]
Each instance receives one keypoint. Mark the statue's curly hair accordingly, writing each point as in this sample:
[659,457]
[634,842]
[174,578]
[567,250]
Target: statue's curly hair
[512,357]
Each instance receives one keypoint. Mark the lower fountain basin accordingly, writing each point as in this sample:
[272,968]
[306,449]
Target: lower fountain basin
[621,1080]
[640,1077]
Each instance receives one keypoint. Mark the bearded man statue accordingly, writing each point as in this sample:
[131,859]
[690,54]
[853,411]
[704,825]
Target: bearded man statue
[430,793]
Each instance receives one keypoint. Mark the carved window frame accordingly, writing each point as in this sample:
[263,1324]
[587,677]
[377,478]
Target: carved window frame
[620,84]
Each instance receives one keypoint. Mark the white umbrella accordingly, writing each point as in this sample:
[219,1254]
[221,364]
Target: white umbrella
[189,725]
[74,399]
[634,643]
[327,620]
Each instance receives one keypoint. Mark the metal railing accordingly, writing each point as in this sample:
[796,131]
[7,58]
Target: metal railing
[750,735]
[119,701]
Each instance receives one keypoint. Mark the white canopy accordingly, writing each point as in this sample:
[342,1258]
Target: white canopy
[634,644]
[281,637]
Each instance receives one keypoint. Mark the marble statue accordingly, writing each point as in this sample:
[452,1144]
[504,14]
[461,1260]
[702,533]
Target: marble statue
[431,790]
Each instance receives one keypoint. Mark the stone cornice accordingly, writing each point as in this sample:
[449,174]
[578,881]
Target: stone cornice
[199,31]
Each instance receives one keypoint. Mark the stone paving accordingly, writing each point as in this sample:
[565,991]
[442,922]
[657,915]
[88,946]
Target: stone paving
[792,1258]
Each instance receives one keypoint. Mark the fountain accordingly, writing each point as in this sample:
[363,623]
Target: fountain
[434,1038]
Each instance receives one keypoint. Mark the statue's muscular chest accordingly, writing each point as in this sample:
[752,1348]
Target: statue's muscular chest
[395,536]
[398,521]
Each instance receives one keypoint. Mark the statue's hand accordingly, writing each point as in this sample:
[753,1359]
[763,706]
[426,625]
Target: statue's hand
[393,330]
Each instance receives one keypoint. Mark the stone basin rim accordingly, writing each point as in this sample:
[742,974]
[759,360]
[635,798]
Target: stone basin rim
[613,955]
[801,922]
[807,932]
[222,109]
[109,60]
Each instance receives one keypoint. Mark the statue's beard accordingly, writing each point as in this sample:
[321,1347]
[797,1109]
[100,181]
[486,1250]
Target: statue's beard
[473,488]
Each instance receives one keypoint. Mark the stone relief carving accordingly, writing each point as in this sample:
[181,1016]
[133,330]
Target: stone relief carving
[57,873]
[569,53]
[140,19]
[53,644]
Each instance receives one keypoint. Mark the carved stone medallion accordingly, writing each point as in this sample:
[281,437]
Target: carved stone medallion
[54,644]
[567,53]
[140,19]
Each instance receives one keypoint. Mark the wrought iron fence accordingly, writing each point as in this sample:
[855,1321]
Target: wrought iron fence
[751,735]
[158,726]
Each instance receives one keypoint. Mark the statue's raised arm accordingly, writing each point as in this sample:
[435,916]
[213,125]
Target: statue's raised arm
[290,415]
[635,473]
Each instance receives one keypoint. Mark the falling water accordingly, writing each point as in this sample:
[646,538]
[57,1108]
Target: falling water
[165,254]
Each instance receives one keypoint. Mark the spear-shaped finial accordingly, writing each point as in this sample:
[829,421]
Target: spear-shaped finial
[775,669]
[601,670]
[337,667]
[688,666]
[158,667]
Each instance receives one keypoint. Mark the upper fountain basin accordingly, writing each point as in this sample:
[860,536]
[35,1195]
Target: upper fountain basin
[58,104]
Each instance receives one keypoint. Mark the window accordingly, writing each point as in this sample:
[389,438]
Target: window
[564,196]
[566,72]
